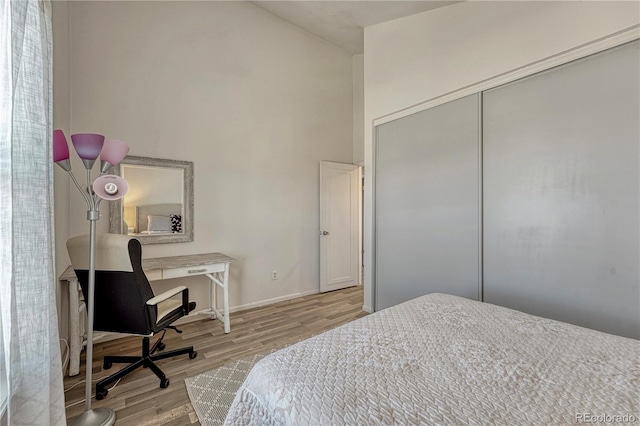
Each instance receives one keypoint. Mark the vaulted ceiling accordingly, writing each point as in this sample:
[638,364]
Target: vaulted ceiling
[342,22]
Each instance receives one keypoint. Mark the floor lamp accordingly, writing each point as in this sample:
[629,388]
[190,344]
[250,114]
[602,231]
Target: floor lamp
[89,146]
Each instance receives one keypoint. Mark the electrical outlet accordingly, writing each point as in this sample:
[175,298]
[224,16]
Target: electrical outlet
[274,275]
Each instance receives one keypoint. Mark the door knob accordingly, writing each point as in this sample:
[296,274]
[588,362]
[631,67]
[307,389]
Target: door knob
[325,233]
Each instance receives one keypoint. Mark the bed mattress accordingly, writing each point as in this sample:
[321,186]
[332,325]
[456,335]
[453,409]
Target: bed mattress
[442,359]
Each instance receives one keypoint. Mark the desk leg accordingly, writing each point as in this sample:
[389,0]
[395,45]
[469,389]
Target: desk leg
[75,339]
[219,279]
[225,299]
[213,297]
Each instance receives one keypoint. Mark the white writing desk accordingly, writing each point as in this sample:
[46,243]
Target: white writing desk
[214,266]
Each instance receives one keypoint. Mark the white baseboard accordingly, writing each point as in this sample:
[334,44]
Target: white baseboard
[105,337]
[367,309]
[271,301]
[196,317]
[260,303]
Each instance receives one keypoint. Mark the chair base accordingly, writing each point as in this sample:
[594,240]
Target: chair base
[146,360]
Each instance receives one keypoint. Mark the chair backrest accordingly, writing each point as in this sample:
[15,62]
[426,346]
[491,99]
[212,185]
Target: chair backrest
[121,287]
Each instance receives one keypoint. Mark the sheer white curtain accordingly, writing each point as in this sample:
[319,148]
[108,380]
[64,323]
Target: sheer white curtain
[32,372]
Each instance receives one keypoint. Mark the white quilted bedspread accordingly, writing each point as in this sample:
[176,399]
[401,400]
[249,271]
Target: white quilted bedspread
[442,359]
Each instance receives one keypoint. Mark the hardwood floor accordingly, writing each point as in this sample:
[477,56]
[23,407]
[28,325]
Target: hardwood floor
[138,399]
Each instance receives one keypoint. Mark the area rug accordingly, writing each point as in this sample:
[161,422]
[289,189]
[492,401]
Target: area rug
[212,393]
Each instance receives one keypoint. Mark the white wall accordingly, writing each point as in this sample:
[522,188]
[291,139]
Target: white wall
[411,60]
[358,109]
[254,102]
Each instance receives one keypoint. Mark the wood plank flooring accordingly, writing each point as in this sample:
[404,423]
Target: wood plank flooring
[138,399]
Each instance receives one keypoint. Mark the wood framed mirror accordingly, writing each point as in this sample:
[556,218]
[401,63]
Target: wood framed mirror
[159,205]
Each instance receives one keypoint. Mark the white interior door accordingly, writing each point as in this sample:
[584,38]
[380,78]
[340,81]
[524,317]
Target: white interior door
[339,225]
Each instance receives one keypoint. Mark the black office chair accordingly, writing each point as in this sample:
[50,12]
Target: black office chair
[125,303]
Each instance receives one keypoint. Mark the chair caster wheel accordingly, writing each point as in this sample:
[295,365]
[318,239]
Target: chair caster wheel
[161,346]
[164,383]
[107,365]
[101,394]
[193,354]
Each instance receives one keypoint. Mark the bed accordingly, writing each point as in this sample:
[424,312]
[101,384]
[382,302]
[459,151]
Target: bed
[158,218]
[443,359]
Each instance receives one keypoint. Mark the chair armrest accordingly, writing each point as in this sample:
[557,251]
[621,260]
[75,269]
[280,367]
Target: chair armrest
[166,295]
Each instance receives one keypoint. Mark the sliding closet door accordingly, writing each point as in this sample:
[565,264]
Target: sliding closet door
[426,204]
[561,193]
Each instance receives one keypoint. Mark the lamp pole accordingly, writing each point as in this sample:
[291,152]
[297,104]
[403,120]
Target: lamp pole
[97,416]
[92,216]
[89,146]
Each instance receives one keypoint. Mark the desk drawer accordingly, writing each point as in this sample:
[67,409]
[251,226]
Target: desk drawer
[192,270]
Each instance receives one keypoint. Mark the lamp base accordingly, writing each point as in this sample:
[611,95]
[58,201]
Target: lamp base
[96,417]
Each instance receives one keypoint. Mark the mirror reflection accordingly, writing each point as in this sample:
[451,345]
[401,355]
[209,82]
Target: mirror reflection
[158,207]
